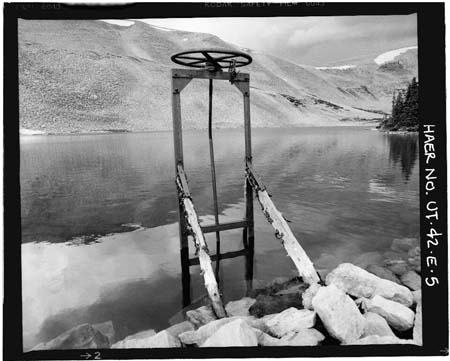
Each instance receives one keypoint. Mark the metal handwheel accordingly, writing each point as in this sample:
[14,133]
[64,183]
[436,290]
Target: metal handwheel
[212,59]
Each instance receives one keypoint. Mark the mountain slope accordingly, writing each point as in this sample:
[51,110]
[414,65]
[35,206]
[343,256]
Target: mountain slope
[82,76]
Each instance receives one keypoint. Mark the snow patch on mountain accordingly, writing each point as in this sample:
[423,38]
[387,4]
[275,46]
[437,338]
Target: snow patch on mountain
[341,67]
[161,28]
[391,55]
[125,23]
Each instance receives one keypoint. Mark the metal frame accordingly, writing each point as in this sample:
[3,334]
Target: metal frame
[180,79]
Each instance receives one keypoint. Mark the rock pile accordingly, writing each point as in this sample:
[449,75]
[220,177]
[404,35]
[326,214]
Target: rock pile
[354,306]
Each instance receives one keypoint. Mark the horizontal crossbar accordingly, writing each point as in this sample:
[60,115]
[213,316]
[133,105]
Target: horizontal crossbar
[223,226]
[243,252]
[206,74]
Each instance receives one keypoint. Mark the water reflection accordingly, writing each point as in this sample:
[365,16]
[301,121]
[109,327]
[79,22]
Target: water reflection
[403,149]
[344,190]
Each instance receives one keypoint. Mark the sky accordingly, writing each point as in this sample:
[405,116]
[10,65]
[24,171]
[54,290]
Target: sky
[317,41]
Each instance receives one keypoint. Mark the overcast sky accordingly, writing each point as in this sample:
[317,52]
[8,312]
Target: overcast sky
[319,41]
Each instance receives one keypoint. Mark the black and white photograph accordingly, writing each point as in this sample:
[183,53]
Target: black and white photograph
[230,178]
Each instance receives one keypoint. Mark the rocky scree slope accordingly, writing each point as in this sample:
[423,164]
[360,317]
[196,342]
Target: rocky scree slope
[87,76]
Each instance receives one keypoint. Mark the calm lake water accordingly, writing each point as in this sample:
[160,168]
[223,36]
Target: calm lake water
[99,213]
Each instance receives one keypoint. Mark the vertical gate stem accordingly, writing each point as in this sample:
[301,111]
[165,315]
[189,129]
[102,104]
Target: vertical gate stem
[213,176]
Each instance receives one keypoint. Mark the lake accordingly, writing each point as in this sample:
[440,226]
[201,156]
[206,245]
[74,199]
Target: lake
[99,215]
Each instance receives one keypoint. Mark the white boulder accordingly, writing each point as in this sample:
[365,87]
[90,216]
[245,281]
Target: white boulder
[239,307]
[204,332]
[181,327]
[162,339]
[131,339]
[338,313]
[265,339]
[305,337]
[232,334]
[397,315]
[360,283]
[308,295]
[376,325]
[291,319]
[260,323]
[201,316]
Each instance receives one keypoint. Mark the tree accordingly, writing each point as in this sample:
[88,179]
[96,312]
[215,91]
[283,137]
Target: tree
[405,109]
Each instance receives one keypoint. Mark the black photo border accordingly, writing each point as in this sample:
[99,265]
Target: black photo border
[431,49]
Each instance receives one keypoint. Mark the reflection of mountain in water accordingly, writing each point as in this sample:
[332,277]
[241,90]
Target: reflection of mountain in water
[403,149]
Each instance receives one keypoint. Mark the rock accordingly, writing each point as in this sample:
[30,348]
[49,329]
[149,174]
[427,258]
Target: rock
[417,296]
[404,244]
[181,327]
[397,315]
[379,340]
[376,325]
[305,337]
[204,332]
[232,334]
[201,316]
[260,323]
[142,334]
[383,272]
[368,258]
[240,307]
[415,263]
[291,320]
[308,295]
[417,330]
[107,329]
[399,267]
[270,304]
[338,313]
[265,339]
[80,337]
[360,283]
[162,339]
[414,252]
[412,280]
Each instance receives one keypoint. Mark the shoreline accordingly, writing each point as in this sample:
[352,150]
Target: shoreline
[25,132]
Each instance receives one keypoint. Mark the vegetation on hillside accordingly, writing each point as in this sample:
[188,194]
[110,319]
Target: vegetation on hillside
[405,109]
